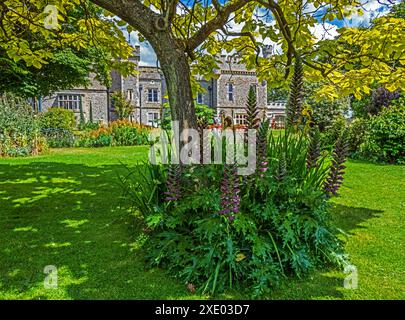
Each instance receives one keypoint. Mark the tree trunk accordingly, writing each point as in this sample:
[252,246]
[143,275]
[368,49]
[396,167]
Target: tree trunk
[176,70]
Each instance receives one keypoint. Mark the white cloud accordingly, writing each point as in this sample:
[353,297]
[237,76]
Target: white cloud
[323,31]
[148,55]
[232,26]
[371,9]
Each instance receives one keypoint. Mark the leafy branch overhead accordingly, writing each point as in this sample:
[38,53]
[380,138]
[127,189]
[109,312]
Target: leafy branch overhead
[200,30]
[31,40]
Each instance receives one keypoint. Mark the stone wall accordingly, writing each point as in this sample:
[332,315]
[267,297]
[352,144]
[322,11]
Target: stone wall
[241,81]
[95,98]
[150,78]
[98,100]
[215,95]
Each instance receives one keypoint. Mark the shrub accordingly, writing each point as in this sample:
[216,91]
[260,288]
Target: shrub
[381,98]
[57,125]
[127,133]
[58,118]
[88,126]
[118,133]
[332,132]
[217,230]
[400,101]
[385,136]
[100,137]
[19,128]
[356,135]
[122,107]
[59,138]
[325,112]
[204,113]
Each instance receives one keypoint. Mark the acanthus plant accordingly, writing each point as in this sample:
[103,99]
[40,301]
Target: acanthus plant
[252,111]
[227,231]
[281,169]
[202,124]
[314,148]
[295,101]
[173,183]
[262,126]
[262,147]
[230,189]
[335,176]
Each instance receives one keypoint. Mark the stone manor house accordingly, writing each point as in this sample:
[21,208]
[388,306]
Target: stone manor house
[227,94]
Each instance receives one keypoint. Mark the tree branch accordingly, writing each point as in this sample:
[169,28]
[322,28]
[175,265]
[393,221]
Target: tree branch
[240,34]
[135,13]
[285,30]
[171,9]
[216,23]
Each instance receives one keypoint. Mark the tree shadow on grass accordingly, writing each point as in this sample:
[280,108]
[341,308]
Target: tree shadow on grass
[69,216]
[351,218]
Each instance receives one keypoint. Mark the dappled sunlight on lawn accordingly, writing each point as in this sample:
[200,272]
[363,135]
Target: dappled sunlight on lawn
[68,215]
[65,211]
[70,223]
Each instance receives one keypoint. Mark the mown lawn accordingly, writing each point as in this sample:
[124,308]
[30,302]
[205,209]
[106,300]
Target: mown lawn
[64,209]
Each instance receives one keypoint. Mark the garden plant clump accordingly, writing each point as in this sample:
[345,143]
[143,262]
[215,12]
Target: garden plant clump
[384,136]
[58,126]
[117,133]
[217,230]
[19,128]
[379,136]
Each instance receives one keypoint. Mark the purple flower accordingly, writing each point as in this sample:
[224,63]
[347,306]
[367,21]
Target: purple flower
[173,183]
[230,198]
[262,147]
[335,177]
[224,211]
[314,149]
[170,199]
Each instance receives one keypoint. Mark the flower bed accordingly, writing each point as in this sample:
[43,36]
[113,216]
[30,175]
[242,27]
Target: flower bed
[117,133]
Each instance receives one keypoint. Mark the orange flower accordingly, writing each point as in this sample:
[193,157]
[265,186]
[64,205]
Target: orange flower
[240,126]
[215,126]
